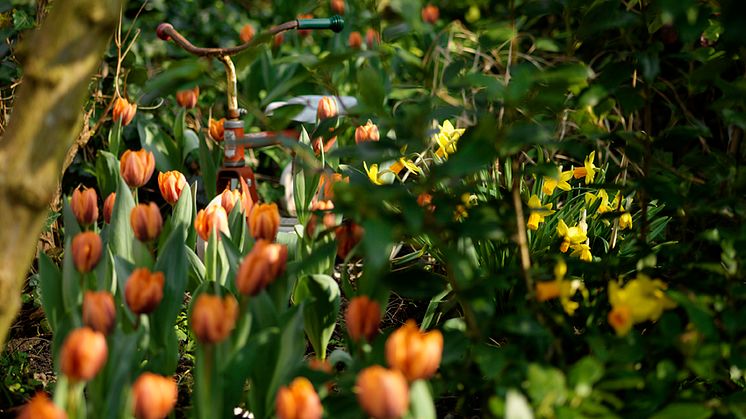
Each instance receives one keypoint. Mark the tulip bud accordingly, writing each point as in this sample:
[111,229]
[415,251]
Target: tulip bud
[216,129]
[278,40]
[144,290]
[209,219]
[154,396]
[228,199]
[137,167]
[338,6]
[214,318]
[86,249]
[329,219]
[372,38]
[40,407]
[367,132]
[363,318]
[123,111]
[83,354]
[298,401]
[348,236]
[109,206]
[99,311]
[382,393]
[414,353]
[171,184]
[327,108]
[355,41]
[187,99]
[326,185]
[430,14]
[264,221]
[84,204]
[247,33]
[305,32]
[264,263]
[146,221]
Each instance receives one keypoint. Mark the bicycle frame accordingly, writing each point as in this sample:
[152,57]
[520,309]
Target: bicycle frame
[235,140]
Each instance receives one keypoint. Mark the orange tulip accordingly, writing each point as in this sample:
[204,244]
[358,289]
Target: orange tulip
[137,167]
[372,38]
[99,311]
[84,204]
[217,129]
[83,354]
[328,218]
[210,219]
[367,132]
[154,396]
[363,317]
[338,6]
[278,40]
[265,262]
[264,221]
[109,206]
[305,32]
[123,111]
[348,236]
[326,185]
[382,393]
[86,249]
[430,14]
[144,290]
[214,318]
[40,407]
[299,400]
[355,41]
[229,198]
[146,221]
[171,184]
[414,353]
[247,33]
[187,99]
[327,108]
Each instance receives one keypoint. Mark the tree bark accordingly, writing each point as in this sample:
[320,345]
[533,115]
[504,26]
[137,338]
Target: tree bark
[58,63]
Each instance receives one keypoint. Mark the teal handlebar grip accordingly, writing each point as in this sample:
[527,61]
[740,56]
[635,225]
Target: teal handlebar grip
[335,23]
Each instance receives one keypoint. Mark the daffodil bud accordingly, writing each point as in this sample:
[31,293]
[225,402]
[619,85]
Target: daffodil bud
[265,262]
[430,14]
[109,206]
[99,311]
[413,352]
[86,250]
[187,99]
[84,204]
[264,221]
[217,129]
[212,218]
[83,354]
[41,407]
[363,317]
[146,221]
[382,393]
[154,396]
[247,33]
[137,167]
[144,290]
[123,111]
[298,400]
[171,184]
[213,318]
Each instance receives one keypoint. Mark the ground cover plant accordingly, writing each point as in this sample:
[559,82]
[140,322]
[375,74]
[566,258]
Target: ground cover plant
[533,209]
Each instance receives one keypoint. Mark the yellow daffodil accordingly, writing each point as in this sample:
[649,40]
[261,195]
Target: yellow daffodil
[408,164]
[538,212]
[558,181]
[620,318]
[560,288]
[590,199]
[373,174]
[582,251]
[571,235]
[447,138]
[645,297]
[588,171]
[625,220]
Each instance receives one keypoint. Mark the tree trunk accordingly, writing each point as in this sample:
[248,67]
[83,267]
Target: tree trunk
[58,63]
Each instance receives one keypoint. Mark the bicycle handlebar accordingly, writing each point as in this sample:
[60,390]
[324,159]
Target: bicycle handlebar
[166,31]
